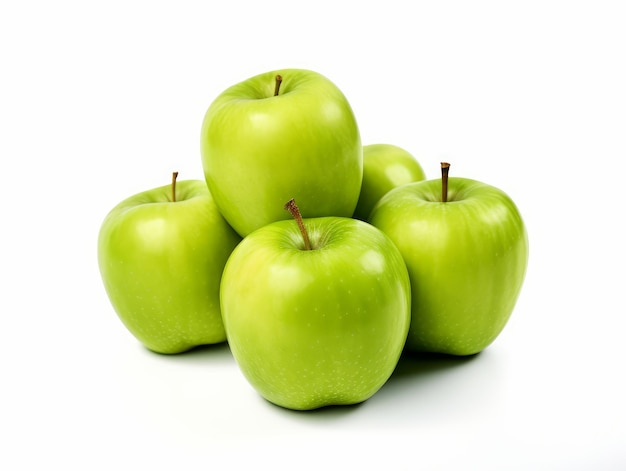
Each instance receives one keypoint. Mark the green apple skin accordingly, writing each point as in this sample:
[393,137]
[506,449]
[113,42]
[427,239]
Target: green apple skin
[260,150]
[385,167]
[466,258]
[320,327]
[161,263]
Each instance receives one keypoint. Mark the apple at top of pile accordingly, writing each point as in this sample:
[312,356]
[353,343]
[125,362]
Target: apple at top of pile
[282,134]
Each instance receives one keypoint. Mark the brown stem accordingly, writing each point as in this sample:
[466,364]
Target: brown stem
[445,168]
[279,80]
[292,207]
[174,176]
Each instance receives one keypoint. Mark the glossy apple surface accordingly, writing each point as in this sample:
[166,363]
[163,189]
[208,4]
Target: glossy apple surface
[385,167]
[259,150]
[466,258]
[320,327]
[161,264]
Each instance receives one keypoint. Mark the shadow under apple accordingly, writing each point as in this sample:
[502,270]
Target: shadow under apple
[432,388]
[420,372]
[411,367]
[423,363]
[215,353]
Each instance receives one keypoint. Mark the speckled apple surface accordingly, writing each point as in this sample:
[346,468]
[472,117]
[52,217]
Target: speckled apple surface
[320,327]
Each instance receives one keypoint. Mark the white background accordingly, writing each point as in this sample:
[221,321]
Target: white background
[101,100]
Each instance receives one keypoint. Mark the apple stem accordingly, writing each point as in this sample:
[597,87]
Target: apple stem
[279,80]
[445,168]
[174,176]
[292,207]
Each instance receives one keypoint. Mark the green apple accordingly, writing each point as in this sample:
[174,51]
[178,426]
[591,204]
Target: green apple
[385,167]
[318,320]
[466,248]
[161,255]
[282,134]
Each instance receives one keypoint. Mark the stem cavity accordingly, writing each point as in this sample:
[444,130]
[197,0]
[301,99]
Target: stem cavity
[292,207]
[174,177]
[445,168]
[279,80]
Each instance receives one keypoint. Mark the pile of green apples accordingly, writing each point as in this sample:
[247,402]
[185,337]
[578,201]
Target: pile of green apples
[319,260]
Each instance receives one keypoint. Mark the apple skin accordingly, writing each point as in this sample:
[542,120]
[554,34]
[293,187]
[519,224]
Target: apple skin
[385,167]
[161,263]
[321,327]
[259,150]
[466,258]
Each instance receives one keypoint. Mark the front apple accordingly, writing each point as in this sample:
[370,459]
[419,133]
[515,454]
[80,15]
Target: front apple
[466,258]
[385,167]
[319,326]
[161,263]
[282,134]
